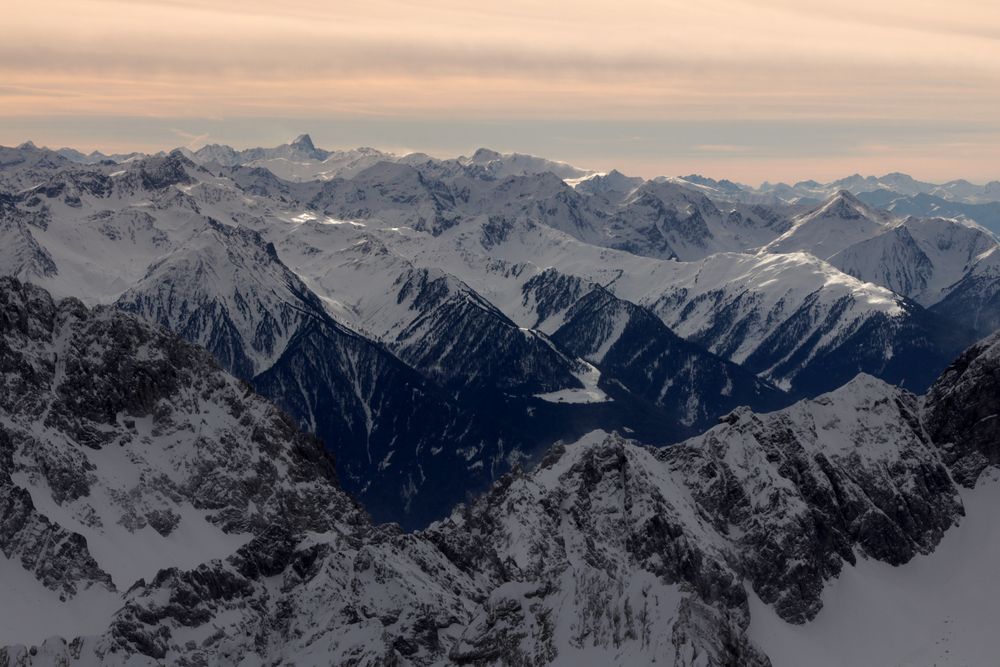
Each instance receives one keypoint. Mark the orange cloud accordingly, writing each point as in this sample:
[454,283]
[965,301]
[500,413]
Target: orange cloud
[585,59]
[633,60]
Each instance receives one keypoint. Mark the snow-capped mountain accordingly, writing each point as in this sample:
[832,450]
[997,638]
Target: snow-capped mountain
[462,339]
[435,321]
[896,183]
[103,226]
[502,165]
[156,511]
[300,160]
[671,221]
[613,185]
[301,148]
[783,502]
[789,317]
[225,290]
[899,193]
[22,254]
[634,350]
[986,213]
[800,322]
[95,157]
[949,266]
[131,464]
[838,223]
[145,238]
[25,165]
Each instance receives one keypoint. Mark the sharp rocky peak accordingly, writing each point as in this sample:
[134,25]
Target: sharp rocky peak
[303,141]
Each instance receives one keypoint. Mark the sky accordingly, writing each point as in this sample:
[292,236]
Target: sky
[748,90]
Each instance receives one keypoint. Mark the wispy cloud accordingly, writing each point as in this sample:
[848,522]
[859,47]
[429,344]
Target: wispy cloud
[645,60]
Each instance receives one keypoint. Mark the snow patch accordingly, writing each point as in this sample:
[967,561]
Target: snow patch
[589,393]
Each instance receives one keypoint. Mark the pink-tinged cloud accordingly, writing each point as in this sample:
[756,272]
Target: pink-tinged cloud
[649,60]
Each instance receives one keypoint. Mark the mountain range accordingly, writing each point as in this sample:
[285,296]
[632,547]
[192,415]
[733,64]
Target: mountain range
[487,307]
[347,407]
[155,510]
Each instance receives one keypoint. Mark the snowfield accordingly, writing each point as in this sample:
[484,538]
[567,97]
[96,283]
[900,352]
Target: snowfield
[937,610]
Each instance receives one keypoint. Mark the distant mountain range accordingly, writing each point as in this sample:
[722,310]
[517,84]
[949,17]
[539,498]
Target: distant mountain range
[436,322]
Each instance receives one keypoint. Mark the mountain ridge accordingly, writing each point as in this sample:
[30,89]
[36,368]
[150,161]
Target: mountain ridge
[606,550]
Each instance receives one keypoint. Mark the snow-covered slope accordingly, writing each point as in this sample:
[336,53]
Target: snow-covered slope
[936,611]
[445,280]
[838,223]
[635,351]
[893,185]
[800,322]
[609,553]
[664,219]
[516,164]
[457,336]
[949,595]
[26,165]
[790,317]
[950,266]
[103,226]
[225,290]
[127,453]
[922,258]
[430,318]
[151,500]
[893,259]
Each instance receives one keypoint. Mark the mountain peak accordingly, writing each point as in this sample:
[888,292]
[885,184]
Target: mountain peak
[304,141]
[485,155]
[846,195]
[897,175]
[844,205]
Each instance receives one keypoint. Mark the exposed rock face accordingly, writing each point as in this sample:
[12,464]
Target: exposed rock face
[114,431]
[21,253]
[606,543]
[963,411]
[124,436]
[56,557]
[226,289]
[801,489]
[487,255]
[89,395]
[593,553]
[374,598]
